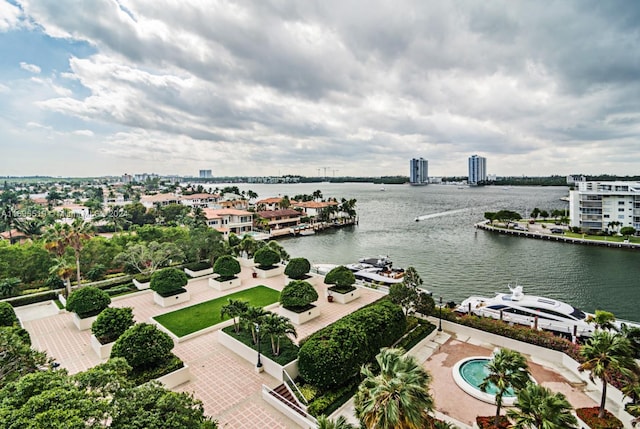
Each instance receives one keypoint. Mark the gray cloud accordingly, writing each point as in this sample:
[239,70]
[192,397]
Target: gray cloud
[296,86]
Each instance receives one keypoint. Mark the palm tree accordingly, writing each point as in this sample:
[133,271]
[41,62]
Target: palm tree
[538,407]
[605,353]
[63,269]
[277,326]
[602,319]
[30,227]
[233,309]
[79,232]
[325,422]
[250,318]
[398,397]
[507,370]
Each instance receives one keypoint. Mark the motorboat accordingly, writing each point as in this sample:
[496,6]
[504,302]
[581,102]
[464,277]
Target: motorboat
[379,270]
[534,311]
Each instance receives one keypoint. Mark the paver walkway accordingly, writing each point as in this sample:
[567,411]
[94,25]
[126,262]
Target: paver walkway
[226,384]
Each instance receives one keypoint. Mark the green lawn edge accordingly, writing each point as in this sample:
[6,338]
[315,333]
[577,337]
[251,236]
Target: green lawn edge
[200,316]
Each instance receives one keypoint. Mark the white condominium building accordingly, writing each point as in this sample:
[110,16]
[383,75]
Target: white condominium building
[598,206]
[419,172]
[477,170]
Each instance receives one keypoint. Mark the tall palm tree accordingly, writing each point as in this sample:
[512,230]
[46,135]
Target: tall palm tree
[30,227]
[538,407]
[507,369]
[604,353]
[398,397]
[277,326]
[234,308]
[325,422]
[79,232]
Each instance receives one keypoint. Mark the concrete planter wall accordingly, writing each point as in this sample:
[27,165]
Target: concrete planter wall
[265,274]
[199,273]
[344,298]
[83,324]
[102,350]
[171,300]
[225,285]
[62,300]
[247,353]
[176,377]
[300,318]
[141,286]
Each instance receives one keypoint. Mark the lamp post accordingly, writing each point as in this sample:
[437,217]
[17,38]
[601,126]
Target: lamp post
[440,317]
[259,365]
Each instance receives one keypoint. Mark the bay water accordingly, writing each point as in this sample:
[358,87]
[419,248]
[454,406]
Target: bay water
[456,260]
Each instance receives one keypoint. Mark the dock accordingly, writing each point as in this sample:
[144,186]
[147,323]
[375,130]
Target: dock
[556,237]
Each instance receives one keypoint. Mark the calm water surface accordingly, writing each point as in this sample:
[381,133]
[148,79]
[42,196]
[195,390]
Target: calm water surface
[456,261]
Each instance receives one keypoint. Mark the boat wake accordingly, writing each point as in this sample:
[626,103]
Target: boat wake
[434,215]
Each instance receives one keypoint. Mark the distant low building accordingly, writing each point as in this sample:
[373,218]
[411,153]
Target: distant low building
[601,206]
[282,218]
[573,178]
[229,221]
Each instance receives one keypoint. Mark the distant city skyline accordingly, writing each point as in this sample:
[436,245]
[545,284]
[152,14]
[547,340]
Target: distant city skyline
[263,88]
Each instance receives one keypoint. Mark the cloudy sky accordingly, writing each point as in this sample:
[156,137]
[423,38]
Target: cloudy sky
[104,87]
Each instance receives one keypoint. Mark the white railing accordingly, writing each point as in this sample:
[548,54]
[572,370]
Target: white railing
[289,381]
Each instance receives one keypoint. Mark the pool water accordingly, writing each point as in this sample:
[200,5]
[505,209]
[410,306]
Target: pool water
[475,370]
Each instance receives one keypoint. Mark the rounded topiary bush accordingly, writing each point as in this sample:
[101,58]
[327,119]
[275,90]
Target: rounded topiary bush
[298,295]
[143,346]
[168,281]
[340,276]
[297,268]
[227,267]
[266,258]
[7,314]
[111,323]
[88,301]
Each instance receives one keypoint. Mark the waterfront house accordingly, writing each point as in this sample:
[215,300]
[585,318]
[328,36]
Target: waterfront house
[229,221]
[313,209]
[280,219]
[150,201]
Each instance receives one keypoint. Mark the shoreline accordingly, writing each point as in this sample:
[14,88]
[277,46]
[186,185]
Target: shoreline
[555,237]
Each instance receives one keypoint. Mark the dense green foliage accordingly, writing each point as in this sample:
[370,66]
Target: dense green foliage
[111,323]
[143,346]
[297,268]
[266,258]
[340,276]
[332,356]
[168,281]
[88,301]
[198,266]
[17,358]
[288,349]
[297,295]
[7,314]
[227,267]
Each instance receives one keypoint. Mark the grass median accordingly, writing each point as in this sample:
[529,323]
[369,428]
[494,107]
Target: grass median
[200,316]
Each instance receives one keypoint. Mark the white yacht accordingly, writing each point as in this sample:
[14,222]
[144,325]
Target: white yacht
[530,310]
[377,270]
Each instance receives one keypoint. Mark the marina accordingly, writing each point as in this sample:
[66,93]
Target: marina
[456,260]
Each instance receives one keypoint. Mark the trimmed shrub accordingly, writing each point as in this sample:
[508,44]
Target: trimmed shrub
[340,276]
[88,301]
[227,267]
[32,299]
[7,314]
[143,346]
[143,277]
[111,323]
[198,266]
[332,357]
[168,281]
[298,295]
[297,268]
[266,258]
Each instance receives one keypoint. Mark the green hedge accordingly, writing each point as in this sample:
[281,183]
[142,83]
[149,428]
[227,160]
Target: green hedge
[332,357]
[415,335]
[331,401]
[7,314]
[142,376]
[32,299]
[198,266]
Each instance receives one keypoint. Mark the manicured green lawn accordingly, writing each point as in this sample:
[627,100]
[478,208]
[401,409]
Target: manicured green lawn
[191,319]
[612,238]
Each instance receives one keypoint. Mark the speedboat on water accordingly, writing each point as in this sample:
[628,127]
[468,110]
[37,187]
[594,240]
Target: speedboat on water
[530,310]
